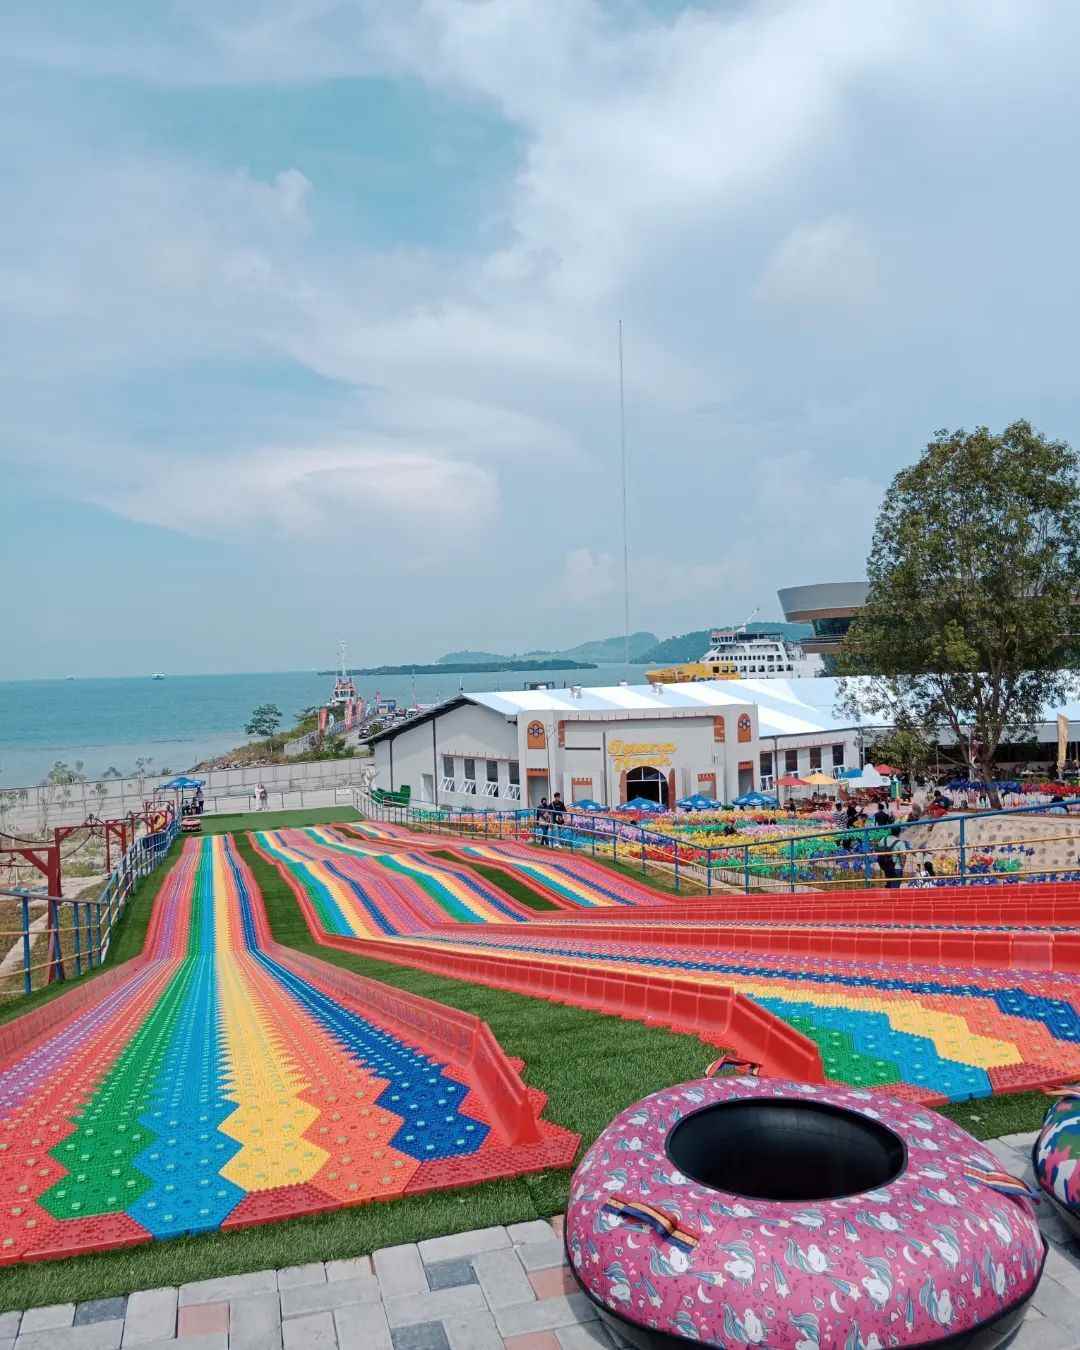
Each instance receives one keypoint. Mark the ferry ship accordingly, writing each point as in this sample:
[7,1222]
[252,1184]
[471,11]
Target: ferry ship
[735,654]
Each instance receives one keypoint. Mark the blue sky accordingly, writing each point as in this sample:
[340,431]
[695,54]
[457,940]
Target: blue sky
[309,308]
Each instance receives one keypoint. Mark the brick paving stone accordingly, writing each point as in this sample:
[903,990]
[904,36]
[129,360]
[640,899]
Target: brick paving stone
[362,1326]
[403,1312]
[536,1230]
[477,1331]
[313,1332]
[545,1315]
[93,1336]
[150,1316]
[587,1336]
[255,1322]
[542,1255]
[552,1283]
[100,1310]
[463,1244]
[291,1277]
[420,1336]
[502,1278]
[314,1298]
[225,1287]
[47,1318]
[214,1340]
[450,1274]
[202,1319]
[347,1269]
[533,1340]
[400,1270]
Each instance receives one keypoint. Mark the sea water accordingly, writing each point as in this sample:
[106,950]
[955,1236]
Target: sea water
[182,719]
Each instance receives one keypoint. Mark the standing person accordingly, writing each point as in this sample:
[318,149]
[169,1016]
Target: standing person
[898,847]
[543,821]
[558,813]
[259,790]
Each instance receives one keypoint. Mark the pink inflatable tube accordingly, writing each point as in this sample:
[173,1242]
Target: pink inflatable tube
[742,1211]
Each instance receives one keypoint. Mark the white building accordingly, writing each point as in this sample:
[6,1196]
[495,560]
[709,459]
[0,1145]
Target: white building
[720,738]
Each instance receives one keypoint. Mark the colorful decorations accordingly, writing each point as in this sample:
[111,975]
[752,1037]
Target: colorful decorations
[222,1081]
[749,1211]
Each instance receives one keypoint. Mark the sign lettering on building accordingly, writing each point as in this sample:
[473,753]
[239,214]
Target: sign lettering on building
[635,754]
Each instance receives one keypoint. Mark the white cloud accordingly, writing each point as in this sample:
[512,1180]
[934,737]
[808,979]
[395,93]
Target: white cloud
[831,262]
[307,492]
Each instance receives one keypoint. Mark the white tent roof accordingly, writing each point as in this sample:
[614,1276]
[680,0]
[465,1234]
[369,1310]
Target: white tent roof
[782,708]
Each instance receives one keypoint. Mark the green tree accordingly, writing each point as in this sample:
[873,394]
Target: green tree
[904,748]
[970,624]
[264,721]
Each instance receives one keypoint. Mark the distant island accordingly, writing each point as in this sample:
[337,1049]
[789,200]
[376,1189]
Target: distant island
[601,651]
[496,665]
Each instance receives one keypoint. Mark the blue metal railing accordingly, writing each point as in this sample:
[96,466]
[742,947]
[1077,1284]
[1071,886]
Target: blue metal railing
[87,925]
[821,859]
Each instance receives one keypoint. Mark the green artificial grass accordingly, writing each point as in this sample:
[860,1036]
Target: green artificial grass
[991,1117]
[127,941]
[277,820]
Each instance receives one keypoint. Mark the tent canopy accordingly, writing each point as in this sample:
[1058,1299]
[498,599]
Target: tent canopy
[182,781]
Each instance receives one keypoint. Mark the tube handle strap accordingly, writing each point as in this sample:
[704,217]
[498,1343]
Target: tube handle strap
[728,1065]
[1073,1090]
[658,1221]
[1002,1182]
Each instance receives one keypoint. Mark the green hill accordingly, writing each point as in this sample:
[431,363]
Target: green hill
[598,651]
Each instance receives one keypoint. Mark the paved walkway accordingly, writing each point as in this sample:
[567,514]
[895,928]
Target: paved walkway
[490,1289]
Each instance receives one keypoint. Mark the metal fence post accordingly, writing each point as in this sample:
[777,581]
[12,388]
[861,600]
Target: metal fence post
[866,855]
[746,869]
[791,861]
[643,853]
[963,852]
[676,867]
[27,982]
[97,917]
[78,939]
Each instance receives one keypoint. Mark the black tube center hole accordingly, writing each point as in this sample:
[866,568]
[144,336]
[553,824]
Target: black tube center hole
[785,1149]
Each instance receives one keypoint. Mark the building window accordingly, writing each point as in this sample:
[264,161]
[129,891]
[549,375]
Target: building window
[448,766]
[791,761]
[492,771]
[515,772]
[718,730]
[746,727]
[815,757]
[765,763]
[838,756]
[470,775]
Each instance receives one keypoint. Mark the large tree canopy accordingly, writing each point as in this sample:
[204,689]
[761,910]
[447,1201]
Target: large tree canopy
[971,621]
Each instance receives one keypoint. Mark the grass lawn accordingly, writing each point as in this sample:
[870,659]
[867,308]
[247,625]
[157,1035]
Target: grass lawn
[277,820]
[590,1065]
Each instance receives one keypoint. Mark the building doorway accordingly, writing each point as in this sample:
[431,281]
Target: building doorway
[647,782]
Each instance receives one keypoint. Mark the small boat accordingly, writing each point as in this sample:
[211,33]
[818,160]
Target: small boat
[157,675]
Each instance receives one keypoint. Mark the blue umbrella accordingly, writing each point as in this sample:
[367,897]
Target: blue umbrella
[698,802]
[586,804]
[755,799]
[642,804]
[181,782]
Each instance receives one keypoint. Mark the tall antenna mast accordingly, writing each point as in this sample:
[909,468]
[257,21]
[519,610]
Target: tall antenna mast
[341,658]
[625,534]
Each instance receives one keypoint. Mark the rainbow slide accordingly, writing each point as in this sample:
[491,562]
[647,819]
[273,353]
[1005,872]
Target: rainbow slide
[221,1080]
